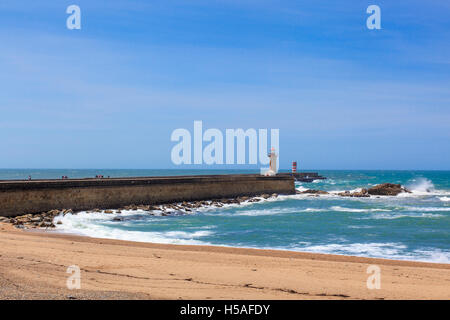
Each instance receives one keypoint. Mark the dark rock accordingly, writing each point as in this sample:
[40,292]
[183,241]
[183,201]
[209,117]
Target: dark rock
[387,189]
[313,191]
[53,212]
[361,194]
[46,224]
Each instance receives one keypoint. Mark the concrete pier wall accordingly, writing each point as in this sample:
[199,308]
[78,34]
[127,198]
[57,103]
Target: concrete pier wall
[22,197]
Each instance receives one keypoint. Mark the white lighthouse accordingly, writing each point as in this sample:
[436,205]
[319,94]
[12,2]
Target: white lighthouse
[273,163]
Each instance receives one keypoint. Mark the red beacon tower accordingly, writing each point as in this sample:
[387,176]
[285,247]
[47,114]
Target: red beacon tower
[294,167]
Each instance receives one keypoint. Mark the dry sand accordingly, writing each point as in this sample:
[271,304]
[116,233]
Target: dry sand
[33,265]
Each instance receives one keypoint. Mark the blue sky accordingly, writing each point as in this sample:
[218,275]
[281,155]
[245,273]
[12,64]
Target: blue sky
[110,95]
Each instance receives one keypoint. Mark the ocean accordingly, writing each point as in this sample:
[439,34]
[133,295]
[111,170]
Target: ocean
[412,226]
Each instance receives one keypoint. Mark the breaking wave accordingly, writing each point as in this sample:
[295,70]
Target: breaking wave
[100,225]
[420,185]
[342,209]
[391,216]
[428,209]
[387,250]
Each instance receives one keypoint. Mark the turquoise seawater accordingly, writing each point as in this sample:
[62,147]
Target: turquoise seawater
[412,226]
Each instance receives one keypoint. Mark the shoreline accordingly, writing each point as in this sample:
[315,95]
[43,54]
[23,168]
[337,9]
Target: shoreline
[247,250]
[34,265]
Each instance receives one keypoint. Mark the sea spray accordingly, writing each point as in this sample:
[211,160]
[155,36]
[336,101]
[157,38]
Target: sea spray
[420,185]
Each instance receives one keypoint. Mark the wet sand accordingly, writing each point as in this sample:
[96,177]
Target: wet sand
[33,265]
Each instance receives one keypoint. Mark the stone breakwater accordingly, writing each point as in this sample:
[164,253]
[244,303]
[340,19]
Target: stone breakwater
[47,219]
[18,198]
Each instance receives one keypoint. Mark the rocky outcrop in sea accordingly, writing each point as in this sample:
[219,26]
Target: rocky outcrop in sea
[384,189]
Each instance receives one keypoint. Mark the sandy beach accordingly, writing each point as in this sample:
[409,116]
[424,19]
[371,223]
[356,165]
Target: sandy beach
[33,265]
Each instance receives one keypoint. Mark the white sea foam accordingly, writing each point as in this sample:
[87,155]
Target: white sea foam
[326,181]
[391,216]
[252,213]
[342,209]
[96,225]
[360,227]
[387,250]
[420,185]
[265,212]
[292,210]
[428,209]
[444,199]
[312,210]
[369,249]
[435,255]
